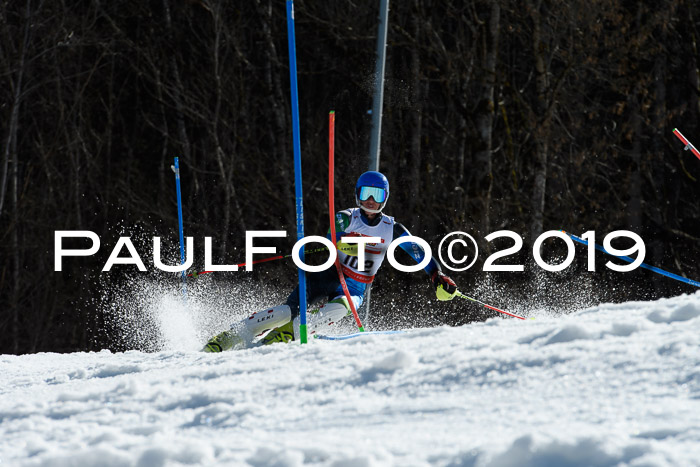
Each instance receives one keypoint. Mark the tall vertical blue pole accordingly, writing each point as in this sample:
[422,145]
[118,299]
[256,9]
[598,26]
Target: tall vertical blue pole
[176,169]
[297,164]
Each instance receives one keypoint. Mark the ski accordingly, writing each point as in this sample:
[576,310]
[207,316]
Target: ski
[357,334]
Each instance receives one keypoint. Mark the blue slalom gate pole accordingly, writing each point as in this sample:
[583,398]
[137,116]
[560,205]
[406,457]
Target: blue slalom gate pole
[297,164]
[176,169]
[631,260]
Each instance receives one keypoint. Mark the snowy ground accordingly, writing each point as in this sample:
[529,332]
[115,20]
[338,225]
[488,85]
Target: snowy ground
[611,385]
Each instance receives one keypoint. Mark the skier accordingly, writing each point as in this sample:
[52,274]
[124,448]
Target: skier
[371,195]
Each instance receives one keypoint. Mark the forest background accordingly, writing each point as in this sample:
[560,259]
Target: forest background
[521,115]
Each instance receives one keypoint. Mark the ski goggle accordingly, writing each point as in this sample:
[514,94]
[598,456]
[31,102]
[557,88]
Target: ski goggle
[378,194]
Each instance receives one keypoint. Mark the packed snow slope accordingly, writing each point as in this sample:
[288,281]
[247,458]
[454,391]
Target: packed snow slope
[610,385]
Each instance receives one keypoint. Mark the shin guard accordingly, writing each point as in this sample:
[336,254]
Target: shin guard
[317,320]
[263,321]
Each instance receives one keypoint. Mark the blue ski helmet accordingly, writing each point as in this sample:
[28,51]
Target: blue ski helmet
[372,184]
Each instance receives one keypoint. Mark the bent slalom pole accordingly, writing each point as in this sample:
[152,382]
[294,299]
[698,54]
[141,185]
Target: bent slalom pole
[461,295]
[331,212]
[687,143]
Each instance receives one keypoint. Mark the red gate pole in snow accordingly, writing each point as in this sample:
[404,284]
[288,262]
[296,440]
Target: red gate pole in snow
[331,211]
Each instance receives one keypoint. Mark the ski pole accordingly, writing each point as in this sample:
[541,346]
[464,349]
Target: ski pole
[642,265]
[687,143]
[331,212]
[461,295]
[264,260]
[176,169]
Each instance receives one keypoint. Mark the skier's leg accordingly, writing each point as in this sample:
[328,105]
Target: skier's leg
[335,310]
[319,286]
[320,318]
[245,331]
[316,320]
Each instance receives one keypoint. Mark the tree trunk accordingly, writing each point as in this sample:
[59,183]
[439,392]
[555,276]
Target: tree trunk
[10,152]
[541,122]
[694,73]
[178,91]
[485,116]
[14,115]
[416,126]
[634,205]
[277,132]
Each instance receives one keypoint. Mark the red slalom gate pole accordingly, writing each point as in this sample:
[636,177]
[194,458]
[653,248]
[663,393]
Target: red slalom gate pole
[331,212]
[687,143]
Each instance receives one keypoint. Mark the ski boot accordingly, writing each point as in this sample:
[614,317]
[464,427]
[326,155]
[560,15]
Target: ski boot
[243,333]
[318,319]
[224,341]
[281,334]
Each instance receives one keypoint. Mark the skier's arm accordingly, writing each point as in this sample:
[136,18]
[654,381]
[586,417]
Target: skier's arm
[445,288]
[414,250]
[342,221]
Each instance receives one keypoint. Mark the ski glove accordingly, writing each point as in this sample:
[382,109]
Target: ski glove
[192,272]
[347,248]
[445,288]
